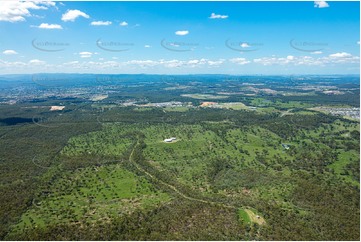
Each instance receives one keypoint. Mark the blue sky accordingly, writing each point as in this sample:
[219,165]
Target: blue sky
[180,37]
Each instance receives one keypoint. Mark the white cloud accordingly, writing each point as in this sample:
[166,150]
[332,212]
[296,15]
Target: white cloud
[193,63]
[16,11]
[340,55]
[10,52]
[245,45]
[143,62]
[201,63]
[85,54]
[101,23]
[12,65]
[49,26]
[172,63]
[182,32]
[279,60]
[239,61]
[115,66]
[147,46]
[36,62]
[196,63]
[123,24]
[341,58]
[215,16]
[71,15]
[321,4]
[358,42]
[216,63]
[337,58]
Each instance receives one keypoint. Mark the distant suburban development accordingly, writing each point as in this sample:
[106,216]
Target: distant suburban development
[353,112]
[261,94]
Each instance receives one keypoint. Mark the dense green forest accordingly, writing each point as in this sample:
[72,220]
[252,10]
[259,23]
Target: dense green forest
[110,176]
[254,158]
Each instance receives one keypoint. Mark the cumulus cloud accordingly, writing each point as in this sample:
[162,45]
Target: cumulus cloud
[73,14]
[218,16]
[340,55]
[85,54]
[182,32]
[301,60]
[10,52]
[196,62]
[337,58]
[173,63]
[321,4]
[143,63]
[216,63]
[239,61]
[193,63]
[16,11]
[101,65]
[123,24]
[101,23]
[245,45]
[36,62]
[49,26]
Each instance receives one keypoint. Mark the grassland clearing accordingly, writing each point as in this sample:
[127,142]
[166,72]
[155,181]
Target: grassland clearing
[176,109]
[243,216]
[254,217]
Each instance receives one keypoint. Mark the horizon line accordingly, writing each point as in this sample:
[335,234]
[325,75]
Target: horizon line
[198,74]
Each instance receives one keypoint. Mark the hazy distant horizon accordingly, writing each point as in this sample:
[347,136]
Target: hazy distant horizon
[173,74]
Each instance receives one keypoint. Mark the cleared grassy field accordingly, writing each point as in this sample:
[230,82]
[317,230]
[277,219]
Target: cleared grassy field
[344,158]
[106,142]
[263,102]
[243,216]
[254,217]
[176,109]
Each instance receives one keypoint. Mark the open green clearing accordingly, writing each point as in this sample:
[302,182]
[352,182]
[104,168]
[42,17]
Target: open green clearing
[243,215]
[176,109]
[263,102]
[254,217]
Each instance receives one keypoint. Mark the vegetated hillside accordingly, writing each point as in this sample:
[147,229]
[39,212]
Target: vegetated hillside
[229,175]
[262,158]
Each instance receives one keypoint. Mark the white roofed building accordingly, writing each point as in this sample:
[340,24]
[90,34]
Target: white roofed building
[170,139]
